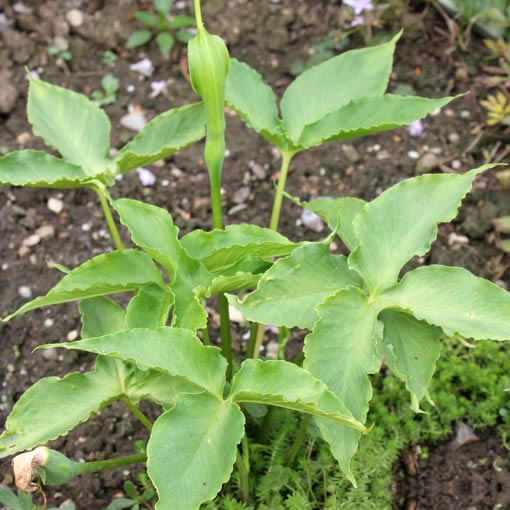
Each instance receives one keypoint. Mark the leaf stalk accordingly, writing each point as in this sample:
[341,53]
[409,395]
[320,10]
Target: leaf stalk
[109,220]
[141,417]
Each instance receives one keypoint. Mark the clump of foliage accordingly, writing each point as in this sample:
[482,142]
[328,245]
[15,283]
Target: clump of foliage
[108,93]
[358,308]
[164,30]
[23,501]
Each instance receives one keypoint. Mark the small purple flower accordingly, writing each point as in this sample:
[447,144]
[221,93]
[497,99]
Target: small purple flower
[416,128]
[358,20]
[147,178]
[360,5]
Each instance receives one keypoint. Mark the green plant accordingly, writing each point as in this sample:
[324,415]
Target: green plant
[108,94]
[23,501]
[53,51]
[109,58]
[165,30]
[135,500]
[358,307]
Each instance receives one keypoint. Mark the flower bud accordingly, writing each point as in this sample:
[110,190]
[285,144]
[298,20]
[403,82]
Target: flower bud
[52,467]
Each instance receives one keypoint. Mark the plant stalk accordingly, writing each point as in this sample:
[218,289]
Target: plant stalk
[109,220]
[198,14]
[244,482]
[278,199]
[102,465]
[298,441]
[226,338]
[141,417]
[257,334]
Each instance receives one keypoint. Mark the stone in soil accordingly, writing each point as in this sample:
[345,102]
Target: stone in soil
[8,94]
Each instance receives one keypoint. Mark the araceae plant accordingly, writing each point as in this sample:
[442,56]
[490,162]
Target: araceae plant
[358,308]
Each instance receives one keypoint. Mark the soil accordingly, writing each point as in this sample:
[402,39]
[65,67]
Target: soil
[453,477]
[272,38]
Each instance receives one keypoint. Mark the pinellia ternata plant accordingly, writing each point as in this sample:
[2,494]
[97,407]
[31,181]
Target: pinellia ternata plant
[358,308]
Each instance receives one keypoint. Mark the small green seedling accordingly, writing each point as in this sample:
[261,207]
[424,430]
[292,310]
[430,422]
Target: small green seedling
[23,501]
[357,310]
[164,29]
[108,94]
[109,58]
[135,500]
[66,55]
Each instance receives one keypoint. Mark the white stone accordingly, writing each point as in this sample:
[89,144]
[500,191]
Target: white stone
[72,335]
[413,154]
[25,292]
[75,18]
[31,240]
[45,231]
[312,221]
[55,205]
[48,322]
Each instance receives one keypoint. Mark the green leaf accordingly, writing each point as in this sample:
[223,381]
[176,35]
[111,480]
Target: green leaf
[184,36]
[335,83]
[222,284]
[402,223]
[165,135]
[175,351]
[284,384]
[139,38]
[369,115]
[163,6]
[53,406]
[40,170]
[165,42]
[157,387]
[181,22]
[9,499]
[338,213]
[192,450]
[412,349]
[120,503]
[342,352]
[119,271]
[146,18]
[150,307]
[455,300]
[254,102]
[296,283]
[220,249]
[152,229]
[101,316]
[71,123]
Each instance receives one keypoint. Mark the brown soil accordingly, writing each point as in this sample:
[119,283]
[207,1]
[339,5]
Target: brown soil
[271,38]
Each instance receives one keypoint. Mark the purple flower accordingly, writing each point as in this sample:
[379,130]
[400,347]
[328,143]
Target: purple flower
[416,128]
[360,5]
[358,20]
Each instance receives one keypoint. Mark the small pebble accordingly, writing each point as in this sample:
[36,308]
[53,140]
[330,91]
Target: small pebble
[23,138]
[72,335]
[25,292]
[85,227]
[241,195]
[31,240]
[144,67]
[48,322]
[45,231]
[413,155]
[465,114]
[75,18]
[453,137]
[235,314]
[55,205]
[61,43]
[130,89]
[134,120]
[456,164]
[146,177]
[312,221]
[351,153]
[5,266]
[454,238]
[50,354]
[10,367]
[427,163]
[257,170]
[24,250]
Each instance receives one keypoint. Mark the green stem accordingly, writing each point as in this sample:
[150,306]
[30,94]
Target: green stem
[205,336]
[244,481]
[215,180]
[277,204]
[109,220]
[257,343]
[298,442]
[198,14]
[102,465]
[226,338]
[143,419]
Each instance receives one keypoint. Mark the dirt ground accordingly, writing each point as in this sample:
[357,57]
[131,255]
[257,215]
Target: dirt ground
[271,37]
